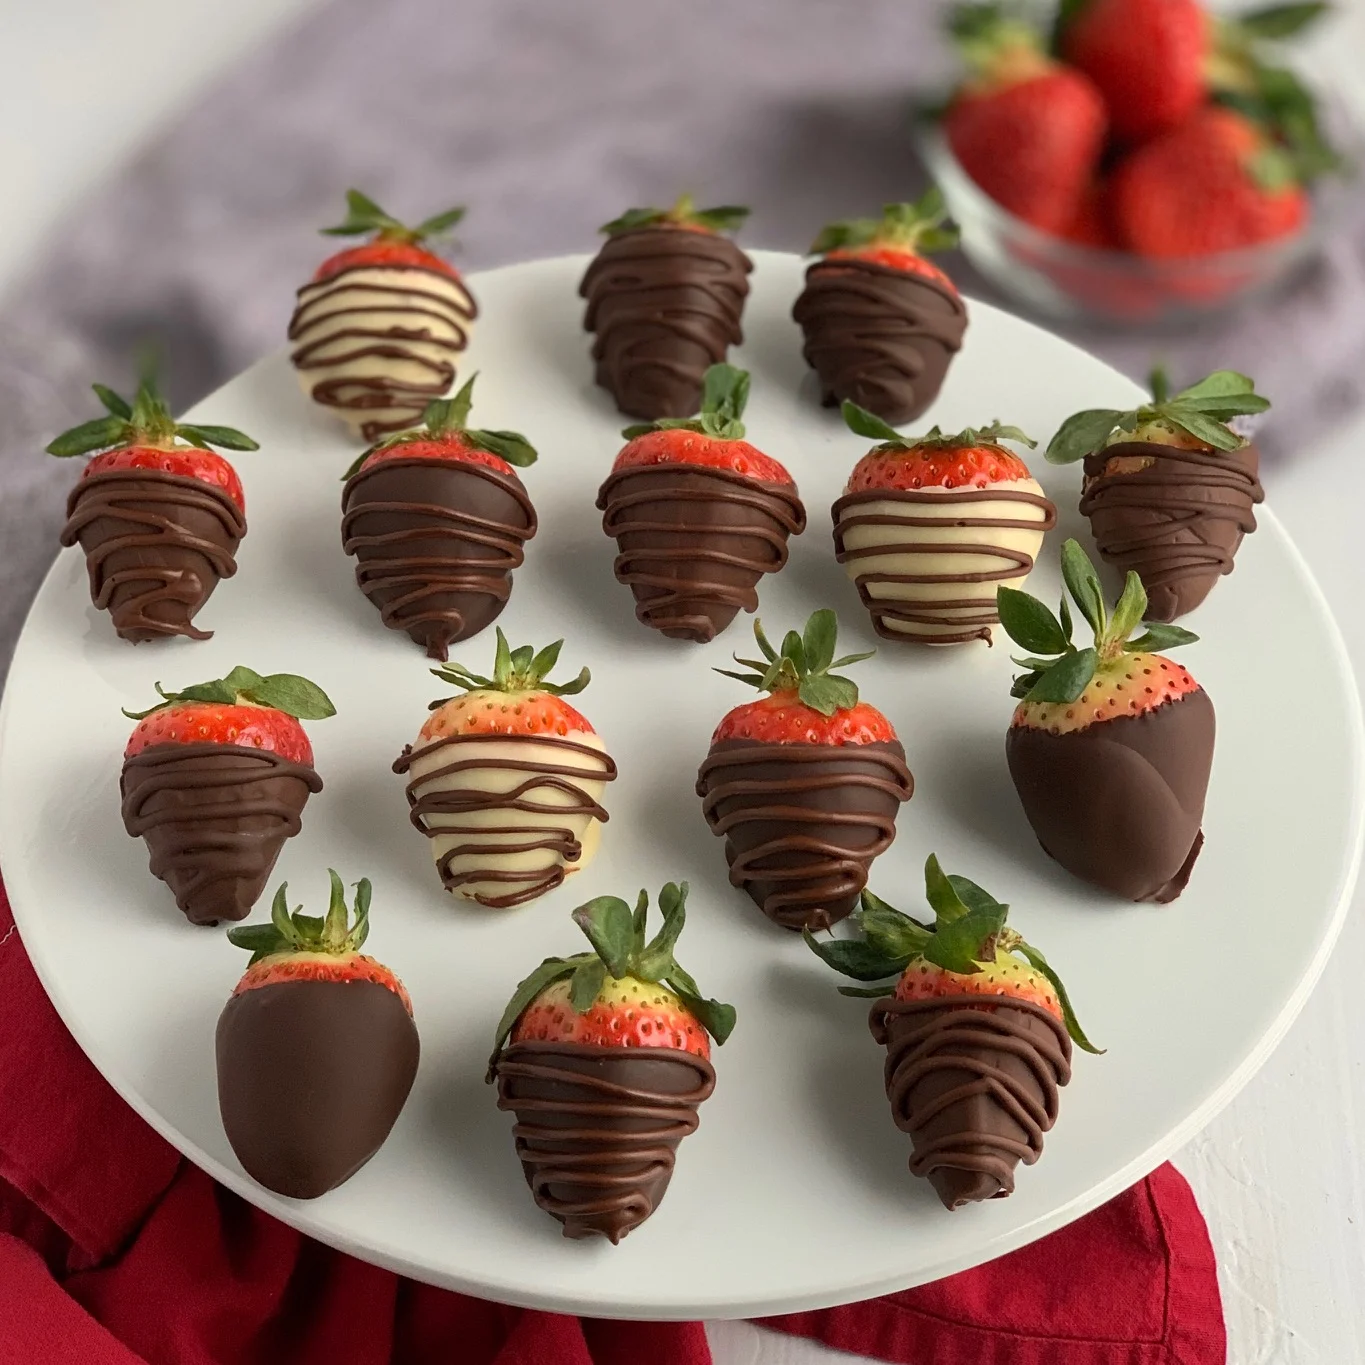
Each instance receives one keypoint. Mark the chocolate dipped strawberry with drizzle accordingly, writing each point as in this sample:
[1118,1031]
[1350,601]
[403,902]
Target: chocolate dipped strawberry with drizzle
[604,1058]
[158,514]
[378,330]
[506,781]
[437,520]
[805,783]
[1110,746]
[316,1048]
[215,778]
[929,526]
[881,323]
[699,515]
[1170,487]
[977,1028]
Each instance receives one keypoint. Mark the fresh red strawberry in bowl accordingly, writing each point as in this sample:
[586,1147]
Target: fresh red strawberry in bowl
[316,1048]
[977,1028]
[215,778]
[805,783]
[158,514]
[604,1058]
[698,514]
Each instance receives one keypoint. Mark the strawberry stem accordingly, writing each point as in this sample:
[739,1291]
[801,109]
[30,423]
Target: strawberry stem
[803,665]
[725,394]
[300,933]
[515,670]
[364,216]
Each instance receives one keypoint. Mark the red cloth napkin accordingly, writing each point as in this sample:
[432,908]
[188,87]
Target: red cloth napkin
[116,1251]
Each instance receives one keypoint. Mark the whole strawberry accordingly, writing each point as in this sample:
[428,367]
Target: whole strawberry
[158,514]
[665,295]
[437,520]
[604,1058]
[977,1029]
[506,780]
[804,784]
[699,515]
[316,1048]
[929,526]
[1110,746]
[378,330]
[215,778]
[1169,488]
[881,323]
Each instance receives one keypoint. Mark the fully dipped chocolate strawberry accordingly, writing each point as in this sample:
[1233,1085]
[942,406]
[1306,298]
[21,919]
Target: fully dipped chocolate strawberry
[437,520]
[506,781]
[158,514]
[377,332]
[316,1048]
[805,783]
[977,1029]
[1111,745]
[1169,487]
[698,514]
[215,778]
[929,526]
[881,323]
[665,294]
[604,1058]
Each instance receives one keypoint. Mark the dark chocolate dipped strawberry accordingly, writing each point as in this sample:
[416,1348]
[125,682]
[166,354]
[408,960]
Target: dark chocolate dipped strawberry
[437,520]
[1169,488]
[604,1058]
[1110,746]
[215,778]
[665,294]
[316,1048]
[158,514]
[805,783]
[881,323]
[977,1029]
[698,514]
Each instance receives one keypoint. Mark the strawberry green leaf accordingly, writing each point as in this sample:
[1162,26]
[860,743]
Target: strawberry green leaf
[218,690]
[1066,679]
[1159,636]
[294,696]
[227,437]
[722,218]
[941,894]
[1082,434]
[973,896]
[439,223]
[1040,964]
[544,663]
[334,926]
[521,658]
[961,944]
[1132,605]
[864,423]
[866,993]
[717,1019]
[114,402]
[847,659]
[1064,616]
[632,219]
[552,969]
[99,434]
[1025,683]
[1220,384]
[1276,22]
[655,962]
[260,940]
[586,984]
[827,694]
[1204,428]
[892,933]
[818,640]
[1028,622]
[641,915]
[793,648]
[1083,583]
[511,446]
[858,958]
[610,928]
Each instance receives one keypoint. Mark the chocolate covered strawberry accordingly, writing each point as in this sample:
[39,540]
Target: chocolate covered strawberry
[805,783]
[158,514]
[977,1029]
[1111,745]
[506,780]
[604,1057]
[437,520]
[929,526]
[377,332]
[316,1048]
[881,322]
[699,515]
[1169,487]
[215,778]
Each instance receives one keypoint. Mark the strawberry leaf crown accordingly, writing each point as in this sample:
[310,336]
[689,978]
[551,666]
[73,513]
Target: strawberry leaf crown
[515,670]
[864,423]
[619,949]
[684,213]
[724,396]
[1063,677]
[450,417]
[285,692]
[300,933]
[364,216]
[993,37]
[968,930]
[803,665]
[922,227]
[146,421]
[1203,410]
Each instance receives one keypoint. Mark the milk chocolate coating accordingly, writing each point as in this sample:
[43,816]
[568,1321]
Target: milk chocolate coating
[976,1088]
[311,1078]
[435,543]
[1178,522]
[665,304]
[803,822]
[215,817]
[879,336]
[155,545]
[1120,803]
[598,1128]
[694,541]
